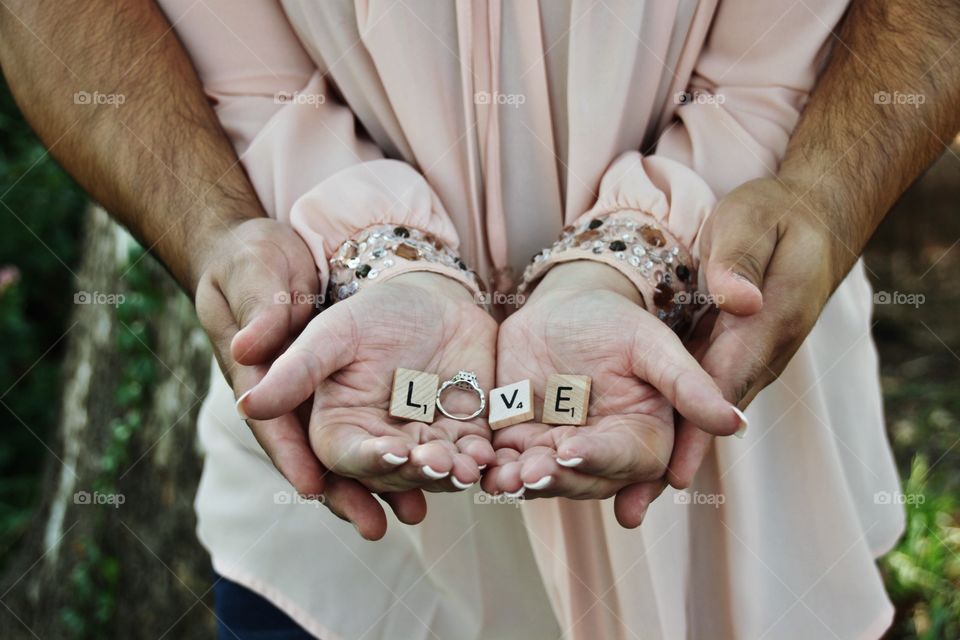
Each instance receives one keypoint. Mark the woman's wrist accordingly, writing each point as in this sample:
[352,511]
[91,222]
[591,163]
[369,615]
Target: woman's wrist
[437,284]
[635,245]
[586,275]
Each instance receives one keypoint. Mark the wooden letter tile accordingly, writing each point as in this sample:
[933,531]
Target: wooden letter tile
[567,399]
[511,404]
[414,395]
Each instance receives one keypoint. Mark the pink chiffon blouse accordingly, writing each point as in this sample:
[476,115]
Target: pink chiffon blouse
[493,124]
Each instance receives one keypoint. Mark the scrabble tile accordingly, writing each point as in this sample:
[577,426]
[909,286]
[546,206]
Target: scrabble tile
[414,395]
[566,400]
[511,404]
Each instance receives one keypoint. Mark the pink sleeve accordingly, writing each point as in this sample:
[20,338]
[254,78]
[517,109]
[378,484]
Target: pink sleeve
[302,148]
[748,87]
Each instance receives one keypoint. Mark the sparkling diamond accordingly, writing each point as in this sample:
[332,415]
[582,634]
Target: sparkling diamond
[347,250]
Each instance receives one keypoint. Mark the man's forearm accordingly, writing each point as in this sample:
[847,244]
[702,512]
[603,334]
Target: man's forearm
[885,108]
[110,90]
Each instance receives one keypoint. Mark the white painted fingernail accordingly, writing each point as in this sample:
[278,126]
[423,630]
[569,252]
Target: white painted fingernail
[744,423]
[542,483]
[433,475]
[515,494]
[394,459]
[482,467]
[461,485]
[572,462]
[243,414]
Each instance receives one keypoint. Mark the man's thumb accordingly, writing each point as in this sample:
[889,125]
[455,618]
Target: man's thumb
[737,246]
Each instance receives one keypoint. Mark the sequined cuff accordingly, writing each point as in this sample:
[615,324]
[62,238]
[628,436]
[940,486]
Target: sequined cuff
[381,252]
[635,244]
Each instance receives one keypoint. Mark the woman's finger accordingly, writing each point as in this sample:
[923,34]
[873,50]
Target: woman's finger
[505,478]
[659,358]
[480,449]
[465,472]
[358,444]
[621,447]
[491,475]
[539,463]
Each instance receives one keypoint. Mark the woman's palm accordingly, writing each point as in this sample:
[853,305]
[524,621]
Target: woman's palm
[629,431]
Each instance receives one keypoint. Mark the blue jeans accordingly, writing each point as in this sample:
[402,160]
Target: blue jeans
[245,615]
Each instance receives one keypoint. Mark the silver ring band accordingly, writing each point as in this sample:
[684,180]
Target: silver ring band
[465,381]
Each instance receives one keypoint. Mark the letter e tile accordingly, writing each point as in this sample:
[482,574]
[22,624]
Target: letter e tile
[566,400]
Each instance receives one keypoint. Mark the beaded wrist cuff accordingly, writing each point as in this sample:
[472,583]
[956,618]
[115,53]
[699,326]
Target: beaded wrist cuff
[635,244]
[381,252]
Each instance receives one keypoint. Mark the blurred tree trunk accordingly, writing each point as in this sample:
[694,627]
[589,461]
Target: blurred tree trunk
[112,552]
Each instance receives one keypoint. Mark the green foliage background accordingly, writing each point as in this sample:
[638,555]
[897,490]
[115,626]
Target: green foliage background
[41,211]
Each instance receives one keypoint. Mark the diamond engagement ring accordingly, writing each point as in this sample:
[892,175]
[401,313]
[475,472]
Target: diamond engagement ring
[465,381]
